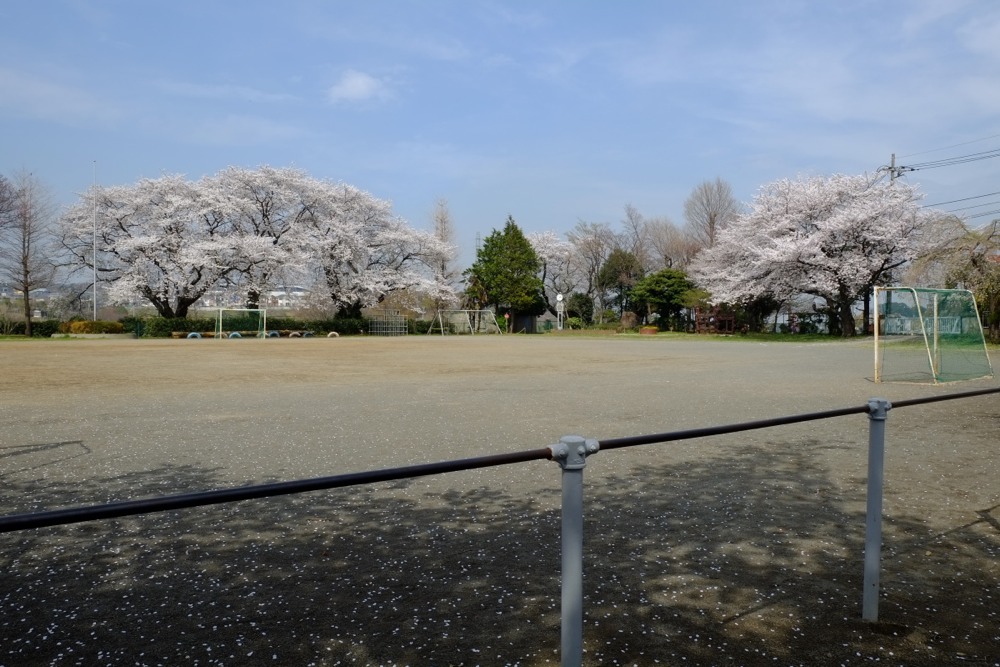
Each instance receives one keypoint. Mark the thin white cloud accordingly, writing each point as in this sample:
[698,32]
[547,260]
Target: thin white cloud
[223,92]
[355,86]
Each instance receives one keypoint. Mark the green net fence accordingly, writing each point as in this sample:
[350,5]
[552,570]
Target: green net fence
[928,335]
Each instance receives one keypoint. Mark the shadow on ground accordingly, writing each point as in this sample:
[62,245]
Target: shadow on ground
[751,557]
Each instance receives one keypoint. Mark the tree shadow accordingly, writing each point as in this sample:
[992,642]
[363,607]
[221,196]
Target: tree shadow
[751,555]
[28,454]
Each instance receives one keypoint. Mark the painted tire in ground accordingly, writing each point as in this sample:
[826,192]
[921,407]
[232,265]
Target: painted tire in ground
[273,334]
[308,334]
[194,334]
[333,334]
[235,334]
[295,334]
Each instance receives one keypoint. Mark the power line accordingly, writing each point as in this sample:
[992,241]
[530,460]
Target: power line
[964,143]
[895,171]
[961,159]
[955,201]
[982,215]
[966,208]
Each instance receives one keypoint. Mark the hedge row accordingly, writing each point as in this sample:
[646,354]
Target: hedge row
[39,328]
[91,327]
[159,327]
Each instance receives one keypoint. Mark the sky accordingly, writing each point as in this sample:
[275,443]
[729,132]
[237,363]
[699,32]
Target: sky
[553,112]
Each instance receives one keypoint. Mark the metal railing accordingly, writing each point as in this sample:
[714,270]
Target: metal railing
[571,453]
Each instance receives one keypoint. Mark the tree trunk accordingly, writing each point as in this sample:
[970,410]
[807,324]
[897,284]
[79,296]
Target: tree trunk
[866,319]
[846,314]
[351,311]
[27,313]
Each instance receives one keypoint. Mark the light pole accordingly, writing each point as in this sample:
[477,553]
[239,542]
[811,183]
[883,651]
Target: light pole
[95,241]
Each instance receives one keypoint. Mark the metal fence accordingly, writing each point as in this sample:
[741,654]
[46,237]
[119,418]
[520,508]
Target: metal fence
[571,454]
[386,322]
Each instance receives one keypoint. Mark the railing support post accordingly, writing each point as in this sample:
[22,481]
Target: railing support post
[571,454]
[878,409]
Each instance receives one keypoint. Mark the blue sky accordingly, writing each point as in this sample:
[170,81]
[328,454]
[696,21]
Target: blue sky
[553,112]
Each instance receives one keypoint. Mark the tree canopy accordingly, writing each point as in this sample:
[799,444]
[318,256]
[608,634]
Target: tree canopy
[506,272]
[25,238]
[710,207]
[828,237]
[618,275]
[666,293]
[958,255]
[170,241]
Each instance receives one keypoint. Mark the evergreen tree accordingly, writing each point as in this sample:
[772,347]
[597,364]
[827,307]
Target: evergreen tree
[619,275]
[665,293]
[505,274]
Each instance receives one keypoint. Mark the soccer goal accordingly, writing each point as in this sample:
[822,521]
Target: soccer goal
[464,322]
[241,323]
[928,335]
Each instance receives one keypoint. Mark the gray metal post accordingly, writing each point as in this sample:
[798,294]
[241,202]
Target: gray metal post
[571,454]
[878,409]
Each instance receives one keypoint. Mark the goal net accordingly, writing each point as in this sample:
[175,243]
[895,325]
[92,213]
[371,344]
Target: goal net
[928,335]
[241,323]
[464,322]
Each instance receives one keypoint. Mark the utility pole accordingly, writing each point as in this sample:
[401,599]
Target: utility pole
[895,171]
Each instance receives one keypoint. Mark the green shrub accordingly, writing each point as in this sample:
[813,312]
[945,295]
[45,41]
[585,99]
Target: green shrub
[96,327]
[135,325]
[159,327]
[42,328]
[346,326]
[162,327]
[574,323]
[418,326]
[606,326]
[286,324]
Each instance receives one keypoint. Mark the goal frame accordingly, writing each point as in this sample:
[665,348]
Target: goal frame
[262,333]
[932,338]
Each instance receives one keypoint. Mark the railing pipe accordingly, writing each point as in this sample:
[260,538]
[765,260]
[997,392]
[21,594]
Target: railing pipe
[164,503]
[633,441]
[878,412]
[571,454]
[945,397]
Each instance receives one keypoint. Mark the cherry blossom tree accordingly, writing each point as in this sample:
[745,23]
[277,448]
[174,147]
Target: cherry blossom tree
[262,207]
[592,243]
[159,239]
[362,252]
[557,261]
[169,240]
[831,238]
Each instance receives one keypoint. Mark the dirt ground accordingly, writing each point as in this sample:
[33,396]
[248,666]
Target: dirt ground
[742,549]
